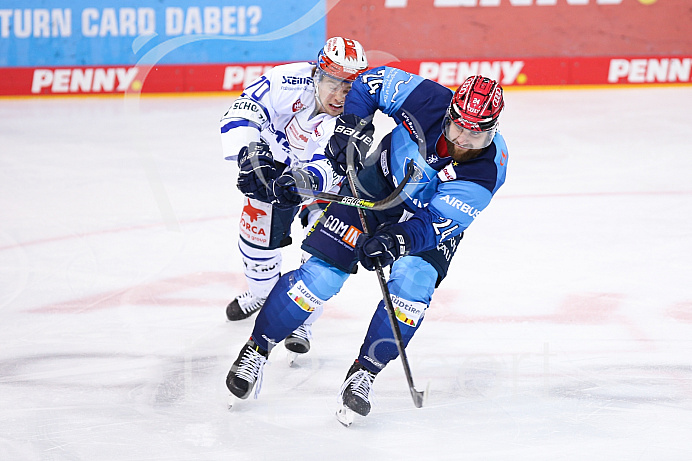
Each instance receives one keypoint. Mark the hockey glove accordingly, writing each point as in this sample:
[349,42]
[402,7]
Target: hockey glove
[283,187]
[352,138]
[386,245]
[257,171]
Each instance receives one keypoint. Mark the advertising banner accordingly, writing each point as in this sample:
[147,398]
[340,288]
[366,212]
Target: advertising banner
[173,78]
[93,47]
[457,29]
[558,71]
[35,33]
[178,78]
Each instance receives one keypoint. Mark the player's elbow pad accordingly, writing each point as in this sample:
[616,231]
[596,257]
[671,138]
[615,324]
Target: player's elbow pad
[237,138]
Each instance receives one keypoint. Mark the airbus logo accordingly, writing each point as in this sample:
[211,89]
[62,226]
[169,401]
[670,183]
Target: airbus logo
[461,205]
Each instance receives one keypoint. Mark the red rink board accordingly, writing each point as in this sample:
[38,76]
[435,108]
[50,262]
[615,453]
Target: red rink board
[234,77]
[443,29]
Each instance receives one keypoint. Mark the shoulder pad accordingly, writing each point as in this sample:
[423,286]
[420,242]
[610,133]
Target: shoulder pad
[248,109]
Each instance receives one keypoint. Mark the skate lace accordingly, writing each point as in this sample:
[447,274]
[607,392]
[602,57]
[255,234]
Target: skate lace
[251,368]
[360,383]
[302,331]
[248,303]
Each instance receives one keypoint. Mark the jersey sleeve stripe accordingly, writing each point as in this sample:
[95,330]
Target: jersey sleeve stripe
[236,123]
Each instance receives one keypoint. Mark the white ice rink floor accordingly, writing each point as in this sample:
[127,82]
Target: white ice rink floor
[563,331]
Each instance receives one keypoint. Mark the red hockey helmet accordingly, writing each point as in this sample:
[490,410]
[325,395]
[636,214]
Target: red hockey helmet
[342,58]
[472,116]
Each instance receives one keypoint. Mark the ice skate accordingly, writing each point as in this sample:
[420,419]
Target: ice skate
[298,342]
[243,306]
[247,371]
[355,394]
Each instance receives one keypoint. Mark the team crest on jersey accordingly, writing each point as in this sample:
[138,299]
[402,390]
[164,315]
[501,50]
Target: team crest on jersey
[298,106]
[418,174]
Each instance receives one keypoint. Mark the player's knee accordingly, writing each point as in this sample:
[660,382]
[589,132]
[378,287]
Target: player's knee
[413,279]
[321,278]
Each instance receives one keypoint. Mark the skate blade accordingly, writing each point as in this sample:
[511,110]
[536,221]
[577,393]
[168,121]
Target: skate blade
[291,357]
[345,416]
[232,401]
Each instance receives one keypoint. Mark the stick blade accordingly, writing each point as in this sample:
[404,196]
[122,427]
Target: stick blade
[420,397]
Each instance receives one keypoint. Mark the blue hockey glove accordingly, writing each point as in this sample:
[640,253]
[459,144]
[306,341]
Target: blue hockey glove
[257,171]
[352,138]
[283,187]
[387,245]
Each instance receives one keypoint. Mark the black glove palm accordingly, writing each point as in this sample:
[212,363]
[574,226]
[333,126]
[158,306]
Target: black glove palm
[257,171]
[351,139]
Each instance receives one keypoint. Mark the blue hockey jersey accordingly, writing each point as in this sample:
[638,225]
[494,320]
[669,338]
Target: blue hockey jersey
[444,196]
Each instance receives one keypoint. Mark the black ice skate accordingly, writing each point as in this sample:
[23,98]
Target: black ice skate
[299,340]
[247,370]
[243,306]
[355,393]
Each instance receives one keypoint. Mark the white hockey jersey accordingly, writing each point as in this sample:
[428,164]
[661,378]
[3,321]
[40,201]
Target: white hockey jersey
[279,108]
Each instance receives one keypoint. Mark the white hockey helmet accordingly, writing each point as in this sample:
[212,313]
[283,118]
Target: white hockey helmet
[342,58]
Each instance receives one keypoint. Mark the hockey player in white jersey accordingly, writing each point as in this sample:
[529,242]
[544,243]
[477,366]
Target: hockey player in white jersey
[280,122]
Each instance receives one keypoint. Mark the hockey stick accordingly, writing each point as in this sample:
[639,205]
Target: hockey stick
[389,201]
[418,396]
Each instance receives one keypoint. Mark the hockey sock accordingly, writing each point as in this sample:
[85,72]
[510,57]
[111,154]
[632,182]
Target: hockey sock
[262,268]
[411,285]
[379,346]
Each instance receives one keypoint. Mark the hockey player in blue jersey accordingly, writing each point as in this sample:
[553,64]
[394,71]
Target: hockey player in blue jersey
[460,162]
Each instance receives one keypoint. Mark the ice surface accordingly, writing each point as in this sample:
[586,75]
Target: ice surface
[563,331]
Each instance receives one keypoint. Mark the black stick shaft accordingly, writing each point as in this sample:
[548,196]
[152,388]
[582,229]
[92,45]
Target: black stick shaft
[415,394]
